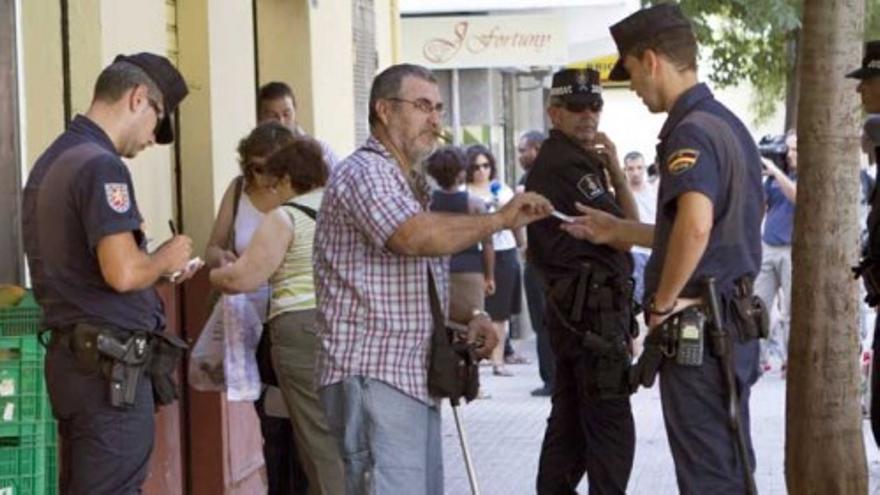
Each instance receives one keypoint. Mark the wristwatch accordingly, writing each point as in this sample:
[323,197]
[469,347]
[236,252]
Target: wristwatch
[652,308]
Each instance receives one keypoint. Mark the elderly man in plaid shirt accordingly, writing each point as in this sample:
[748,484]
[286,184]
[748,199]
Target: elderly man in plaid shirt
[377,249]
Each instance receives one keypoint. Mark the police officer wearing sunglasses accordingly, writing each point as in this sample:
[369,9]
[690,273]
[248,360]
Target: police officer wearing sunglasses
[589,304]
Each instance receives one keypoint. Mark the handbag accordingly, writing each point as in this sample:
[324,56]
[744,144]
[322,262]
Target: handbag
[453,368]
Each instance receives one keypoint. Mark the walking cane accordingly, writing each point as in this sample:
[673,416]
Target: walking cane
[472,477]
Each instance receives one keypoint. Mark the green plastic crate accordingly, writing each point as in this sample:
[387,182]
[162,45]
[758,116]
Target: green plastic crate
[51,452]
[23,463]
[22,387]
[22,319]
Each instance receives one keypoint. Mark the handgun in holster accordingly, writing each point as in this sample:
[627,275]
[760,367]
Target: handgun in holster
[128,360]
[596,293]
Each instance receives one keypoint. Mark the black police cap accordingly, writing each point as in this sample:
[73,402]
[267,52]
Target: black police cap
[170,84]
[870,63]
[576,85]
[644,25]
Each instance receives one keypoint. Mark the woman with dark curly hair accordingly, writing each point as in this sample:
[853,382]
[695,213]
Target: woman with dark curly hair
[247,200]
[281,253]
[482,182]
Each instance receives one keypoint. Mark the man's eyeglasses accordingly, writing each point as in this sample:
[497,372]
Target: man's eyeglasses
[423,105]
[594,106]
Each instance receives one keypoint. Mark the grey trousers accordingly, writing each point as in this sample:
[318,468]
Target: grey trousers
[775,274]
[294,348]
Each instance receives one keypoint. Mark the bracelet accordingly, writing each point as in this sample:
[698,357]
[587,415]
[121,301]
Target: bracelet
[652,308]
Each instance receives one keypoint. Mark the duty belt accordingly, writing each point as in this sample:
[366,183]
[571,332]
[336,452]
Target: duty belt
[123,356]
[608,331]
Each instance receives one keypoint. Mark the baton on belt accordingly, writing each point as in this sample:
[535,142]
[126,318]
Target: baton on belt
[722,351]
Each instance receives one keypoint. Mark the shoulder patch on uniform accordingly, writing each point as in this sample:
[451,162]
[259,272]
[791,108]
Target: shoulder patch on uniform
[590,186]
[682,160]
[117,196]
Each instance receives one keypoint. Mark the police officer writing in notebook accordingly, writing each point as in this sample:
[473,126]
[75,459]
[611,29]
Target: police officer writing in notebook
[95,281]
[589,298]
[706,242]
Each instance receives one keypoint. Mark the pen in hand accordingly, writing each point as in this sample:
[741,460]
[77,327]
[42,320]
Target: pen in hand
[172,227]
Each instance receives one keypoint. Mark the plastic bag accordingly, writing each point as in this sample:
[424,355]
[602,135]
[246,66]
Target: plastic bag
[242,328]
[224,357]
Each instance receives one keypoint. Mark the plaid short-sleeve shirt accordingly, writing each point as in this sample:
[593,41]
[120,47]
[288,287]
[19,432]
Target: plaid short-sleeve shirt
[374,309]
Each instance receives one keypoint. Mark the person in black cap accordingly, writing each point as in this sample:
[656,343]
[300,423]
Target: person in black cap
[589,296]
[94,278]
[869,90]
[708,228]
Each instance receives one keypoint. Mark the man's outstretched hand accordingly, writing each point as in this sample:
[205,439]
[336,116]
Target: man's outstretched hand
[524,209]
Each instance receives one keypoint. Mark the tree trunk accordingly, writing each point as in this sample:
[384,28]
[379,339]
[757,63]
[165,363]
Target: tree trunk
[824,450]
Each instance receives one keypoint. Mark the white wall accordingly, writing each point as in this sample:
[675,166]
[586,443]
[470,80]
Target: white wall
[628,123]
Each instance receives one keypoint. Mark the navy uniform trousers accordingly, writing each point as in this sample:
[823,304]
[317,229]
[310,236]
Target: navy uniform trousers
[695,411]
[584,433]
[104,450]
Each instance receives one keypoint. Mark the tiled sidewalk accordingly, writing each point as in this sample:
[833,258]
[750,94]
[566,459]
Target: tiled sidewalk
[505,433]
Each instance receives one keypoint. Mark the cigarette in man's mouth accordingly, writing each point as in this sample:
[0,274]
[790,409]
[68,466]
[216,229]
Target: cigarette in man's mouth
[443,136]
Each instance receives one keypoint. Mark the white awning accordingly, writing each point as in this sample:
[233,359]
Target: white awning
[445,6]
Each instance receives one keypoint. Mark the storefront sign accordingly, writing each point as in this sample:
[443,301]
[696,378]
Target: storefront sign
[484,41]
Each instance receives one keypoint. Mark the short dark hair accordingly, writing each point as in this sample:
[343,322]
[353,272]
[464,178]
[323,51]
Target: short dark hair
[275,90]
[446,164]
[262,141]
[387,84]
[534,138]
[301,161]
[679,45]
[119,77]
[473,152]
[633,155]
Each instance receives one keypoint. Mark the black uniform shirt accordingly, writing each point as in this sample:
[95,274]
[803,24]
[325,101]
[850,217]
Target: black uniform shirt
[874,218]
[78,192]
[705,148]
[565,173]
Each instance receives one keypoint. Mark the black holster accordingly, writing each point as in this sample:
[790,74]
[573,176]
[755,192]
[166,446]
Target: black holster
[118,355]
[167,351]
[747,311]
[659,344]
[869,270]
[596,307]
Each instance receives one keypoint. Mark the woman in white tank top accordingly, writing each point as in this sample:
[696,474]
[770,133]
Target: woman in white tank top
[244,205]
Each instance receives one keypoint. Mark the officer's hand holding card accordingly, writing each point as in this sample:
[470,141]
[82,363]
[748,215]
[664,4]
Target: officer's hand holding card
[596,226]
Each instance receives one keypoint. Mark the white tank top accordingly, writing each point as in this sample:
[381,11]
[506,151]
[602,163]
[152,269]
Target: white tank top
[247,220]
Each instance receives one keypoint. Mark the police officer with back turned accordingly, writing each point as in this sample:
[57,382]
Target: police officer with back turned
[703,318]
[588,310]
[94,278]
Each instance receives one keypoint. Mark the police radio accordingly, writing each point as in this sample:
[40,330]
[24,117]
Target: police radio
[691,331]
